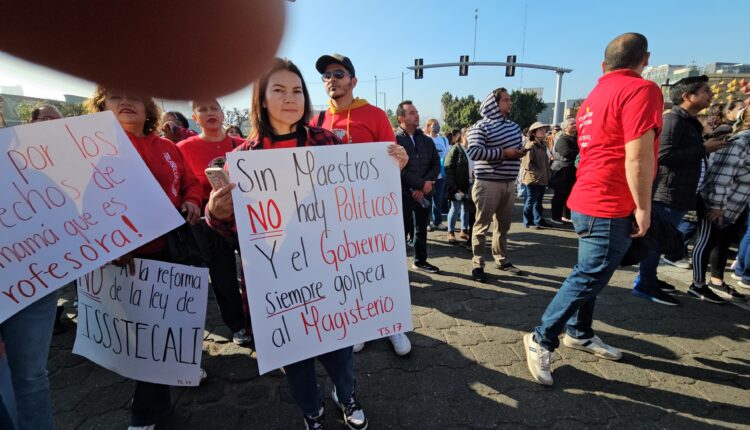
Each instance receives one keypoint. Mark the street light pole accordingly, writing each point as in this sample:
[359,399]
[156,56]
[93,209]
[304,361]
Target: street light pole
[376,90]
[558,87]
[385,104]
[402,85]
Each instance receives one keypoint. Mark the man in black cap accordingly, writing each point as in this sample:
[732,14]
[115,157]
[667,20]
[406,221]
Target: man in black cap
[682,153]
[354,120]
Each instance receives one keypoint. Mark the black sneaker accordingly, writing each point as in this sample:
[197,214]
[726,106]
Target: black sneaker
[704,293]
[317,422]
[354,415]
[425,267]
[509,268]
[654,294]
[430,228]
[664,285]
[557,222]
[727,292]
[478,275]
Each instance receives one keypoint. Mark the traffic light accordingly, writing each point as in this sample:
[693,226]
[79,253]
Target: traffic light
[463,68]
[418,72]
[510,70]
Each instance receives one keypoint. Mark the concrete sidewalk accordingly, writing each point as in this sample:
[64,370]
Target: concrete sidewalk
[683,367]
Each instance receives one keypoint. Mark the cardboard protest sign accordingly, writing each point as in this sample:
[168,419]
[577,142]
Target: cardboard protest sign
[148,326]
[322,240]
[76,195]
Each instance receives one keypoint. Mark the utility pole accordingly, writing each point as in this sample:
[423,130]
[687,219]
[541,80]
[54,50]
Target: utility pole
[476,18]
[376,90]
[385,105]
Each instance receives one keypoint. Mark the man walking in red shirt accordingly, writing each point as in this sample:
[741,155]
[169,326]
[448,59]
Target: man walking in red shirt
[618,127]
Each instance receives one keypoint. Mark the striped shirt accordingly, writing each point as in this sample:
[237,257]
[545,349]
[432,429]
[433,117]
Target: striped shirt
[487,140]
[726,185]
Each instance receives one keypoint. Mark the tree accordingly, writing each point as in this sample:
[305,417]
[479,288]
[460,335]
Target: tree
[459,112]
[238,117]
[24,109]
[574,108]
[392,118]
[526,107]
[69,109]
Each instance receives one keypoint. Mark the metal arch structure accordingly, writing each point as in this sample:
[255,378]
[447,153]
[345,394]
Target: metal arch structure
[559,71]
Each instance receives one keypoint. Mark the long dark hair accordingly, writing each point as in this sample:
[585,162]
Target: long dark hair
[179,117]
[259,115]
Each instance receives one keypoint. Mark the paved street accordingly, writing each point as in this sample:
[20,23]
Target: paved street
[683,367]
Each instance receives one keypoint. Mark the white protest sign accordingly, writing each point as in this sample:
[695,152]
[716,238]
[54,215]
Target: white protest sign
[148,326]
[76,195]
[322,240]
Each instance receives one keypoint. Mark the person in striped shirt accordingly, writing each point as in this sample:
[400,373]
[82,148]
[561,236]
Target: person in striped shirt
[496,147]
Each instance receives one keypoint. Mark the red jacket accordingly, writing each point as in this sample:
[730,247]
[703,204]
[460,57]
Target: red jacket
[177,180]
[200,154]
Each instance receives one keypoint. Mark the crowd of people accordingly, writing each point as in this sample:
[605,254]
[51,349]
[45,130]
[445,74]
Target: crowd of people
[622,165]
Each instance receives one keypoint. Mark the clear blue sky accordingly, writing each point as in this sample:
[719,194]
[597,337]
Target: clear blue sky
[383,37]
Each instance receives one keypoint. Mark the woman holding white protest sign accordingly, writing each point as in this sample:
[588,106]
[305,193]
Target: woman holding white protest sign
[139,117]
[280,111]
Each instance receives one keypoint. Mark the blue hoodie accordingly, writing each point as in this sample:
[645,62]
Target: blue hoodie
[487,139]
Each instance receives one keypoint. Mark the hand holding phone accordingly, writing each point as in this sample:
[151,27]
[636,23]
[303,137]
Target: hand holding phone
[217,177]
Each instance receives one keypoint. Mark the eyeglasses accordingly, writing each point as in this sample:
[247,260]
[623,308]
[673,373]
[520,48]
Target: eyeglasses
[338,74]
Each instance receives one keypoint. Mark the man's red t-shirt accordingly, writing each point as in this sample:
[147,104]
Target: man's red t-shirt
[622,107]
[201,154]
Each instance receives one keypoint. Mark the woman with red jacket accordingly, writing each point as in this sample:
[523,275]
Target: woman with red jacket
[139,117]
[209,149]
[281,108]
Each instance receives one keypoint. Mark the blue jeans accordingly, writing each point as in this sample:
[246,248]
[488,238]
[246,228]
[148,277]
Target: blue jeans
[457,208]
[438,201]
[304,387]
[688,230]
[743,256]
[7,398]
[27,336]
[647,268]
[532,207]
[602,242]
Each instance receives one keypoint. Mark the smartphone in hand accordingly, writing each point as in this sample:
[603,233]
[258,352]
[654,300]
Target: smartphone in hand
[217,177]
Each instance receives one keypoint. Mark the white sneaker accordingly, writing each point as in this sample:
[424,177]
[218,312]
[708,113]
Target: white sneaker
[593,345]
[241,337]
[401,343]
[354,415]
[358,347]
[682,264]
[151,427]
[741,284]
[538,359]
[735,276]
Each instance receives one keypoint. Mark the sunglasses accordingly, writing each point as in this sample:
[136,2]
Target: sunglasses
[338,74]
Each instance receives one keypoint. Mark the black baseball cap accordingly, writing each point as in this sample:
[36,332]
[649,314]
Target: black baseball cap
[326,60]
[691,80]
